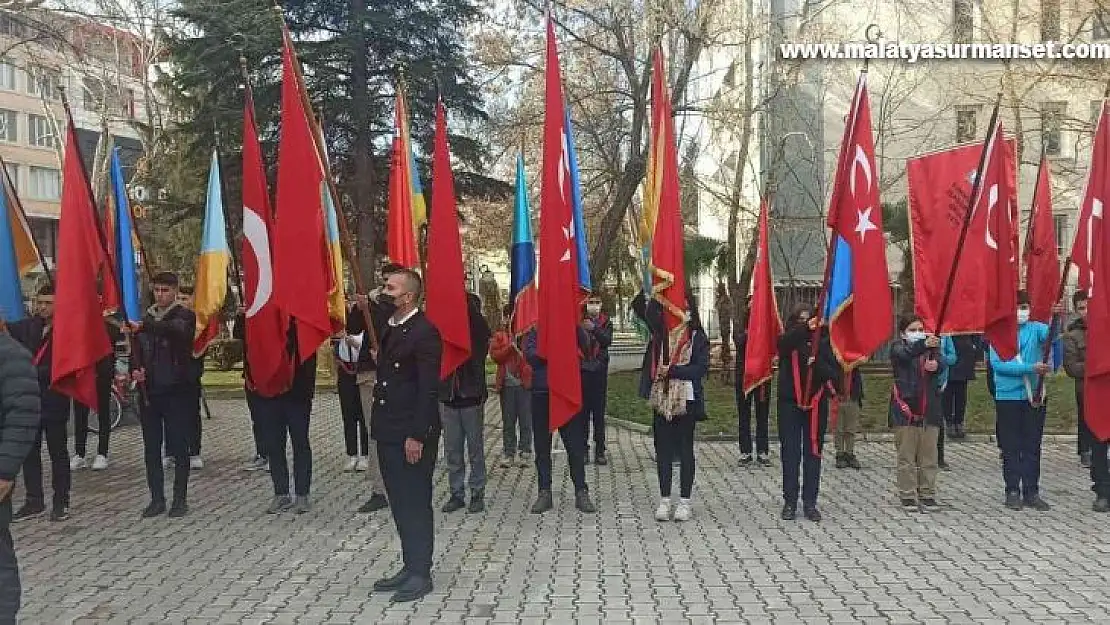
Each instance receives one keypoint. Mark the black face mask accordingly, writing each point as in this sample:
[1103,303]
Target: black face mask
[388,303]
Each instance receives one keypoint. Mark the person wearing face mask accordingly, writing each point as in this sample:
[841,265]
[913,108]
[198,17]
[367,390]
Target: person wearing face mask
[1075,365]
[405,424]
[595,374]
[1020,415]
[803,418]
[916,411]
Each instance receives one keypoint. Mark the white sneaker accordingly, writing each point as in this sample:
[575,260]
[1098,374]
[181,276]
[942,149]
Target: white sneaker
[663,512]
[352,464]
[195,462]
[363,464]
[682,510]
[100,462]
[77,462]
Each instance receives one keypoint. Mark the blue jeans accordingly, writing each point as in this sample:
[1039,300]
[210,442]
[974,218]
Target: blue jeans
[1020,429]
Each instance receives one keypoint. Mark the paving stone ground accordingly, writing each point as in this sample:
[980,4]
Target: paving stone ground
[736,562]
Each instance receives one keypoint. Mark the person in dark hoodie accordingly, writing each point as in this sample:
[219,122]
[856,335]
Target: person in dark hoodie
[803,418]
[462,402]
[163,369]
[573,433]
[684,368]
[916,410]
[36,335]
[1075,365]
[595,374]
[19,427]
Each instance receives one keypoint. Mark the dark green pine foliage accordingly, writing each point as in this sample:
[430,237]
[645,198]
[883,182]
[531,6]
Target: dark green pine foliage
[353,52]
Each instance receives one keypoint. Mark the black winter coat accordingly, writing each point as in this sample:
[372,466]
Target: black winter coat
[19,413]
[406,394]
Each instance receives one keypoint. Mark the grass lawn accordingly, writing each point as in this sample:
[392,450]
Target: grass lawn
[625,403]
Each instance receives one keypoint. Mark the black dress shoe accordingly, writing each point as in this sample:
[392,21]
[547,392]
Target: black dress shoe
[414,588]
[1035,502]
[377,502]
[392,582]
[810,512]
[453,504]
[543,502]
[156,508]
[600,459]
[28,510]
[1101,505]
[477,504]
[789,512]
[1013,501]
[178,509]
[853,462]
[842,461]
[909,503]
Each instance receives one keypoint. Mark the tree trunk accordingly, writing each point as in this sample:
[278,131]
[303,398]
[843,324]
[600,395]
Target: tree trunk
[362,185]
[740,278]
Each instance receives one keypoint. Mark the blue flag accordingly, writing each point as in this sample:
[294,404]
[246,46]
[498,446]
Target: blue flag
[11,297]
[581,251]
[124,241]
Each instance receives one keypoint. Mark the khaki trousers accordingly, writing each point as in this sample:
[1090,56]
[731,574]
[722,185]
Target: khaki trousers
[374,471]
[847,425]
[917,461]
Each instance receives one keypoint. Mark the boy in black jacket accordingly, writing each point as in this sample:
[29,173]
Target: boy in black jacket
[164,372]
[19,425]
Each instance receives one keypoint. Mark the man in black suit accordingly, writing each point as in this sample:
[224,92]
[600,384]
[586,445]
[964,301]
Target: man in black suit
[405,423]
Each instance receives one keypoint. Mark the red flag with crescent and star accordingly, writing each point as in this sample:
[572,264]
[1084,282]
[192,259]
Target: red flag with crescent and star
[1000,260]
[1091,254]
[557,326]
[1042,262]
[269,369]
[859,304]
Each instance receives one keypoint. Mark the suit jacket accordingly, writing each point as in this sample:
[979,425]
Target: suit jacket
[406,394]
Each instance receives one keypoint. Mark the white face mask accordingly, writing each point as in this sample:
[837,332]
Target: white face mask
[1023,315]
[593,309]
[915,336]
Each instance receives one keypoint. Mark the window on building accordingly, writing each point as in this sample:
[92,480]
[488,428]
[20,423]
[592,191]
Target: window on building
[13,173]
[963,21]
[7,76]
[45,232]
[12,26]
[93,94]
[9,128]
[1100,24]
[44,82]
[1052,121]
[44,183]
[1061,224]
[966,123]
[1050,20]
[40,132]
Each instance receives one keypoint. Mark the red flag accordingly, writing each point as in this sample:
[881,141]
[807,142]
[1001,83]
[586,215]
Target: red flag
[302,267]
[1096,384]
[270,368]
[859,303]
[1094,198]
[79,336]
[446,292]
[1042,262]
[764,322]
[557,326]
[401,232]
[667,262]
[939,193]
[998,200]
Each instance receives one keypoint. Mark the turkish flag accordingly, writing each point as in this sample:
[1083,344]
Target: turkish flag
[1094,198]
[557,326]
[445,302]
[667,262]
[269,367]
[860,308]
[764,322]
[79,336]
[939,194]
[1042,262]
[302,262]
[997,199]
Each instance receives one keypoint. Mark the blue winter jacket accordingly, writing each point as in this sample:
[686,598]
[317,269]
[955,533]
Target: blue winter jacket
[1015,380]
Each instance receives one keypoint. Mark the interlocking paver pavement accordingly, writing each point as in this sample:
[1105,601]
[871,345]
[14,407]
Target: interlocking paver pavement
[736,562]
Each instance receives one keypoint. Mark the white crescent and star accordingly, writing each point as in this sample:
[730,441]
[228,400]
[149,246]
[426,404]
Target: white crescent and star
[991,201]
[863,221]
[254,230]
